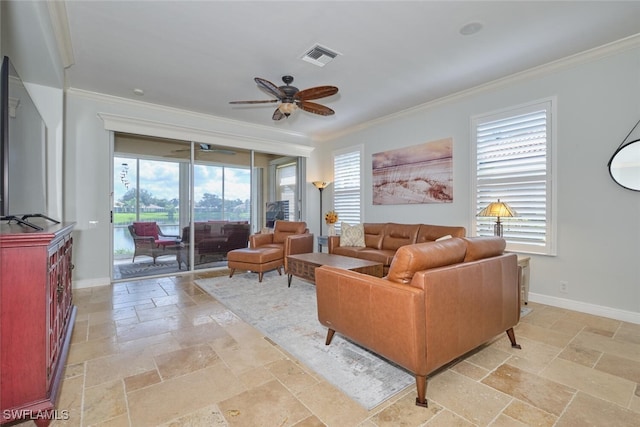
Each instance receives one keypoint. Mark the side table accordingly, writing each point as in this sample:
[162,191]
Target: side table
[524,271]
[322,241]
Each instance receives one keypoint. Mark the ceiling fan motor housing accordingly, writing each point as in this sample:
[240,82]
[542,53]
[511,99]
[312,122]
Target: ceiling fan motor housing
[288,90]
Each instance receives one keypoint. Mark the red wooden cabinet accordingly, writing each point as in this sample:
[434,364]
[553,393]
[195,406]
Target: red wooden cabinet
[36,319]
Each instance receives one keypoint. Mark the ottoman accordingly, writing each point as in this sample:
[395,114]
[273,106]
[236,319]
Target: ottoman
[258,260]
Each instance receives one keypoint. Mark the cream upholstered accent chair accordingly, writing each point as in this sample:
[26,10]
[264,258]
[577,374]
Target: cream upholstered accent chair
[292,236]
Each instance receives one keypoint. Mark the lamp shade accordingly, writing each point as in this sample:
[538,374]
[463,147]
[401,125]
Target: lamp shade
[287,108]
[497,209]
[320,184]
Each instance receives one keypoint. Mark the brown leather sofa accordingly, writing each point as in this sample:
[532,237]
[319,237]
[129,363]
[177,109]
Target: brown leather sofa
[382,240]
[439,301]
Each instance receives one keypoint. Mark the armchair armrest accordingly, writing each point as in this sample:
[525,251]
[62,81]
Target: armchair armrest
[169,235]
[142,242]
[298,244]
[257,240]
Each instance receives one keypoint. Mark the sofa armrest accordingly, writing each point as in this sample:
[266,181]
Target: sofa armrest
[385,317]
[257,240]
[332,243]
[468,304]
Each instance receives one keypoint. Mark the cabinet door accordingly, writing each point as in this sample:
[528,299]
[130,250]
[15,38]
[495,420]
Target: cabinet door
[53,309]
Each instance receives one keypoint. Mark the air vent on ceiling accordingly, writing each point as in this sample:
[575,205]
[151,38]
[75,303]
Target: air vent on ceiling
[319,55]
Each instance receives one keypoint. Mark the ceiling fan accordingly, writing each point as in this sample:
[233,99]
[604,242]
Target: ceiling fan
[290,98]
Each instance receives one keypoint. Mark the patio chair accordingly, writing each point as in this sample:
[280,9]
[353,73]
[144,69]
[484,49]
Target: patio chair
[149,240]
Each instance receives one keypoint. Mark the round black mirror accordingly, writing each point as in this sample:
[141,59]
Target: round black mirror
[624,165]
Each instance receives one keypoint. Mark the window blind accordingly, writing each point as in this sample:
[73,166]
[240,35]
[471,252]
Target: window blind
[285,190]
[513,165]
[347,186]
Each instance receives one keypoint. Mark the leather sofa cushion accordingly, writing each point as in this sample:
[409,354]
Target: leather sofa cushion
[397,235]
[431,233]
[383,256]
[351,251]
[422,256]
[484,247]
[373,234]
[283,229]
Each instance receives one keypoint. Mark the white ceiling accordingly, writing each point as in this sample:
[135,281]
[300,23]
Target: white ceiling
[198,56]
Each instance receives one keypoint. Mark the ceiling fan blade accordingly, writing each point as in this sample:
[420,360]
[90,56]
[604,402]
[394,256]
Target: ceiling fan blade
[316,92]
[254,102]
[278,115]
[312,107]
[270,87]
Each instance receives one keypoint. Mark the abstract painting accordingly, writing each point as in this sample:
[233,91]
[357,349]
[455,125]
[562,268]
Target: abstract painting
[418,174]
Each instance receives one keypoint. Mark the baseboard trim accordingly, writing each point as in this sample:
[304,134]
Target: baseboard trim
[583,307]
[91,283]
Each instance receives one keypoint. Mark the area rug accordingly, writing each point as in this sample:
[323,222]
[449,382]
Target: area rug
[288,316]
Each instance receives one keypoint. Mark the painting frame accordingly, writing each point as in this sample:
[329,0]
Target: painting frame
[419,174]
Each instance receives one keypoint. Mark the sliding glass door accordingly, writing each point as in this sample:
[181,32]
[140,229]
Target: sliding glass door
[221,212]
[146,215]
[180,206]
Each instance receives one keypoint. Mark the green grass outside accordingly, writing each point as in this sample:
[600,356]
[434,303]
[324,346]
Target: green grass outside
[126,218]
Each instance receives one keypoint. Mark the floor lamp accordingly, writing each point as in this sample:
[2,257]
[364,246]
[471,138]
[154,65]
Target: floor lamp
[320,185]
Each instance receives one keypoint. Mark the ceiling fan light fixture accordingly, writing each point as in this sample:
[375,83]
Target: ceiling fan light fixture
[287,108]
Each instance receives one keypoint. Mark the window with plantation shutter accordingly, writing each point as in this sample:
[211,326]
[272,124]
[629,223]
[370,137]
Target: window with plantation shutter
[347,180]
[512,150]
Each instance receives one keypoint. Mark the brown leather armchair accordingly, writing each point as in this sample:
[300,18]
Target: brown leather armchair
[292,236]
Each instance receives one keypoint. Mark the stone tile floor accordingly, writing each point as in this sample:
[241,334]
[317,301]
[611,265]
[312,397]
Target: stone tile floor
[161,352]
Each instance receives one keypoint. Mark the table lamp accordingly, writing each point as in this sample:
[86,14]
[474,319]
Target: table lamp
[497,209]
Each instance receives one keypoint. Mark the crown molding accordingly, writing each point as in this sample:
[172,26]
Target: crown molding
[60,23]
[609,49]
[118,123]
[112,99]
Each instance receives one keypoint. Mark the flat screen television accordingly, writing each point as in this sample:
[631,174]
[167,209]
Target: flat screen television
[23,133]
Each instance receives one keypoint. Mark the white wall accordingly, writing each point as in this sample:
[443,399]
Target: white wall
[598,241]
[87,161]
[50,104]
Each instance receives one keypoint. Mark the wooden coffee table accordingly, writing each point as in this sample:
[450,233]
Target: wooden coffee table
[304,265]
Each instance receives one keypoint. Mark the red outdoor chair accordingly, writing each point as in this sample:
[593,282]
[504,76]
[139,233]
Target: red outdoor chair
[149,240]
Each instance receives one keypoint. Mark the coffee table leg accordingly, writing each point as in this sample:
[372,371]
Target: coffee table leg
[289,279]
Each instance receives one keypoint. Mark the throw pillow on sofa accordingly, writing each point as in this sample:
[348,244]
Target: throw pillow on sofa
[352,235]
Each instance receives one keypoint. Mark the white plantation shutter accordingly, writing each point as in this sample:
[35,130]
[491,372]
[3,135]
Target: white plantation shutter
[347,180]
[513,164]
